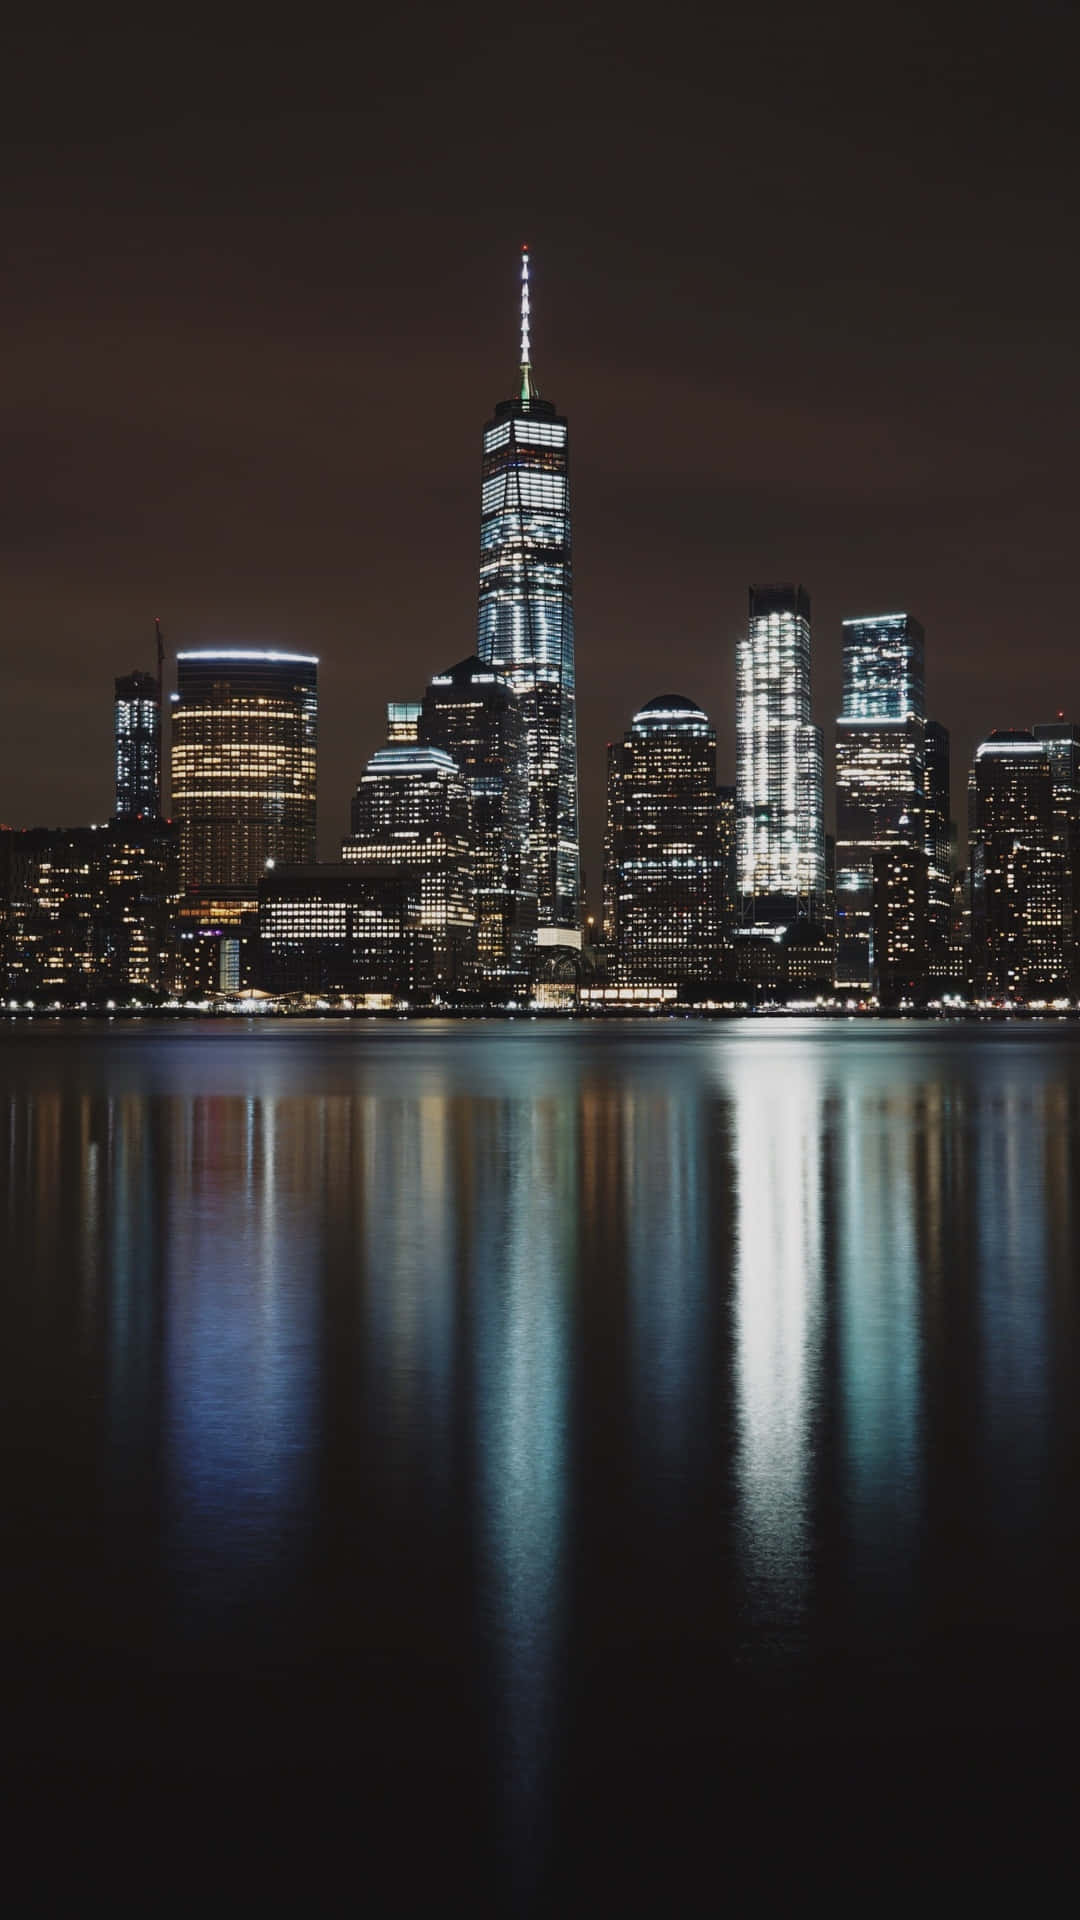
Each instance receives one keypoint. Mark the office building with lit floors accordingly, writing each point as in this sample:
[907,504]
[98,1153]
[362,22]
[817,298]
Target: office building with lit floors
[90,912]
[525,621]
[412,820]
[667,866]
[779,824]
[472,713]
[939,832]
[137,735]
[1061,739]
[342,930]
[1018,873]
[881,857]
[244,774]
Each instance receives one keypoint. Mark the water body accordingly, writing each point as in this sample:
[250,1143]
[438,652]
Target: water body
[542,1464]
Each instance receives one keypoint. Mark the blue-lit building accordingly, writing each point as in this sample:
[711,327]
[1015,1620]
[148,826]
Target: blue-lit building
[525,620]
[137,733]
[780,831]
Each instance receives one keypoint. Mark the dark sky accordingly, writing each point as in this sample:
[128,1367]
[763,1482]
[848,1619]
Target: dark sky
[806,284]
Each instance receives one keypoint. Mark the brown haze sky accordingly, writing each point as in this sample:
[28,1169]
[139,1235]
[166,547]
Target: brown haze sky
[806,284]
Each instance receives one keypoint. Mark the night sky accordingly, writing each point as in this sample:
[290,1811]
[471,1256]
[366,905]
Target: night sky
[805,281]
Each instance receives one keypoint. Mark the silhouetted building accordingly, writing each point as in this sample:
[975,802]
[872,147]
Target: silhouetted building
[667,852]
[525,620]
[779,826]
[137,733]
[940,841]
[411,818]
[1018,872]
[880,805]
[473,714]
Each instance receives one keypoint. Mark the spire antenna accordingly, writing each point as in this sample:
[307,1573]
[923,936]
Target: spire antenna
[528,390]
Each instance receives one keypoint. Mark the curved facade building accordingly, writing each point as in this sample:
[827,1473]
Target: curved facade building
[244,751]
[525,621]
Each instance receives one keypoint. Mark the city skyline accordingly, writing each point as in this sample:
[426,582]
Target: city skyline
[874,407]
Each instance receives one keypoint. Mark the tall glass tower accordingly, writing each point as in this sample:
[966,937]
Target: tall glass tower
[780,834]
[526,616]
[138,746]
[881,853]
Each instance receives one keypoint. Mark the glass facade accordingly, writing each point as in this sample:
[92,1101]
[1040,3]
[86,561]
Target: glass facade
[881,857]
[667,856]
[473,714]
[244,753]
[412,820]
[884,672]
[137,724]
[1018,872]
[525,622]
[780,834]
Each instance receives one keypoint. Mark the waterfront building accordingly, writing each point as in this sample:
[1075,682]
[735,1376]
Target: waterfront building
[1061,738]
[1018,872]
[780,837]
[89,912]
[880,811]
[342,929]
[137,735]
[525,622]
[412,817]
[667,850]
[472,713]
[244,751]
[940,841]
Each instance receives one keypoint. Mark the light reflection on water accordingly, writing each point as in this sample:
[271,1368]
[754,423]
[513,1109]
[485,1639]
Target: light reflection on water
[514,1350]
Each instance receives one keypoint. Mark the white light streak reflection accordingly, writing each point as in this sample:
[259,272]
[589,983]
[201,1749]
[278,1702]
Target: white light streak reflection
[777,1146]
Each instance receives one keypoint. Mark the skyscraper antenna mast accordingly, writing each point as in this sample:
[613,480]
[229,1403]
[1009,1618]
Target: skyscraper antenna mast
[527,388]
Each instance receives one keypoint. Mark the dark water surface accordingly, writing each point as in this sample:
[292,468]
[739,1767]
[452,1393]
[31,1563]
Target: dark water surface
[566,1466]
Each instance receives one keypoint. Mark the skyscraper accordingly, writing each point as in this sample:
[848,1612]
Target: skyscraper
[1017,872]
[244,743]
[412,826]
[473,714]
[1061,739]
[939,836]
[881,858]
[666,853]
[525,622]
[780,837]
[137,722]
